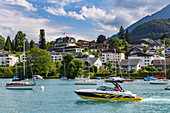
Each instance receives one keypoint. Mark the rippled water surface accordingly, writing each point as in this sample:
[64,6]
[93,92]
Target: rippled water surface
[59,97]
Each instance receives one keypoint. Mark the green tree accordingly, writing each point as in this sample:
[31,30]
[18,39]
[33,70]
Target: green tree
[93,69]
[13,44]
[67,58]
[58,66]
[2,41]
[19,41]
[115,43]
[79,64]
[121,34]
[8,44]
[41,60]
[42,41]
[145,48]
[71,70]
[32,44]
[101,39]
[127,36]
[109,64]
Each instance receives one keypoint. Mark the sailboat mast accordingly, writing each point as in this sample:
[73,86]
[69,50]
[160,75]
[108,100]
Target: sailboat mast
[82,66]
[115,61]
[89,66]
[24,59]
[129,67]
[64,68]
[16,69]
[165,58]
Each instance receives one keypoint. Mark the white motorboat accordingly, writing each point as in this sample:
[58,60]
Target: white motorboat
[160,82]
[38,77]
[106,93]
[114,79]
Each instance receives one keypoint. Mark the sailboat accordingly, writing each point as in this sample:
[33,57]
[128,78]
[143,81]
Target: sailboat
[161,81]
[85,81]
[128,79]
[20,83]
[114,77]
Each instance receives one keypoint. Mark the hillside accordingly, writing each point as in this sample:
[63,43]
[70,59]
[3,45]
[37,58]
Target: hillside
[162,14]
[153,29]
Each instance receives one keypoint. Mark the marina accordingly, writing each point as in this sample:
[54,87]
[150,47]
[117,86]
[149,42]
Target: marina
[58,96]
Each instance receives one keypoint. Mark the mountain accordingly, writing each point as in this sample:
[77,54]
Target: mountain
[162,14]
[153,29]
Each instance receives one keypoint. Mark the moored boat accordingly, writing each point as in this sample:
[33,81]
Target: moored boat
[63,78]
[160,82]
[20,83]
[112,79]
[128,79]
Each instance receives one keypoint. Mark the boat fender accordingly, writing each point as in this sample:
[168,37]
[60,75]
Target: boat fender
[41,87]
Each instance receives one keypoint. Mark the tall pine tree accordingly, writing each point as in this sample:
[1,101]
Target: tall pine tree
[42,41]
[127,36]
[121,34]
[13,44]
[8,46]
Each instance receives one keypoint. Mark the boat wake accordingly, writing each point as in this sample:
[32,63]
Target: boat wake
[154,99]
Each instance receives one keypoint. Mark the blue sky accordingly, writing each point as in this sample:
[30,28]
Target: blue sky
[82,19]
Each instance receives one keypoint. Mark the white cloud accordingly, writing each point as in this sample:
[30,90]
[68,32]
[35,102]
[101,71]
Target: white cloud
[14,21]
[100,30]
[58,11]
[76,15]
[23,3]
[62,3]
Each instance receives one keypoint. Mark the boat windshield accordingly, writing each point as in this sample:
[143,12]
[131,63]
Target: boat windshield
[105,88]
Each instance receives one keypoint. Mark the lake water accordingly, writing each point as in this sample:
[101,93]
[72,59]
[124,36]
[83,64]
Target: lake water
[59,97]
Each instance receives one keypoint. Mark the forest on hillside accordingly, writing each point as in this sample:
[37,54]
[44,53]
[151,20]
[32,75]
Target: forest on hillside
[153,29]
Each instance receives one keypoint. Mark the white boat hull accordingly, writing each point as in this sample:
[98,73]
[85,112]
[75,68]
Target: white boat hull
[20,87]
[161,82]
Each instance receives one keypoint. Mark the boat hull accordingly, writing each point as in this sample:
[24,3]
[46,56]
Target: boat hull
[167,88]
[85,83]
[15,86]
[159,82]
[107,97]
[128,80]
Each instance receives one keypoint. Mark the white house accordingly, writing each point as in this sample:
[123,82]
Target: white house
[72,49]
[92,61]
[146,59]
[55,56]
[112,56]
[7,59]
[130,64]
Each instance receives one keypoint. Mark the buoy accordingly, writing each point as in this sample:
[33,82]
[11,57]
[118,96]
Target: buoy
[42,87]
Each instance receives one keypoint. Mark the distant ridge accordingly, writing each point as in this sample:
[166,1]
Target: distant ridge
[153,29]
[162,14]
